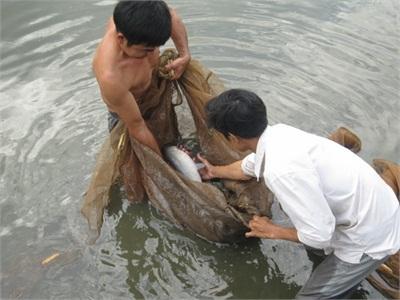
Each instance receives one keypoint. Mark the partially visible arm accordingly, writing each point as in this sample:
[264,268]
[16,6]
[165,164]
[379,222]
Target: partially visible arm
[179,36]
[262,227]
[122,102]
[233,171]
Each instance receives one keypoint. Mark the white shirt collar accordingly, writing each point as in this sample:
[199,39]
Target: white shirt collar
[260,152]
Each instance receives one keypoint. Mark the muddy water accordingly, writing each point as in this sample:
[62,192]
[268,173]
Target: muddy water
[317,65]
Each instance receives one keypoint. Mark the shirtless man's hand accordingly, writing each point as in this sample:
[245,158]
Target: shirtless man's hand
[125,58]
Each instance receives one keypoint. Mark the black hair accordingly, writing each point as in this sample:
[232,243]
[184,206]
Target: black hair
[239,112]
[143,22]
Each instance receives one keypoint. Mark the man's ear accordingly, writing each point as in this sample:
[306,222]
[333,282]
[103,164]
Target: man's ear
[120,38]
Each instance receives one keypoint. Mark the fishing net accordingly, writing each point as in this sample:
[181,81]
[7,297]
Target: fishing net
[216,214]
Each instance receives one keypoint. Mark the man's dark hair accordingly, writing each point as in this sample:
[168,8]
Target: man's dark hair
[239,112]
[143,22]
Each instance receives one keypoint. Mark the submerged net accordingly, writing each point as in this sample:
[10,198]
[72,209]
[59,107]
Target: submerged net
[215,214]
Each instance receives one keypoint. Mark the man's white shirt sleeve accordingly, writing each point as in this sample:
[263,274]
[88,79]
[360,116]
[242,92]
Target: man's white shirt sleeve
[302,199]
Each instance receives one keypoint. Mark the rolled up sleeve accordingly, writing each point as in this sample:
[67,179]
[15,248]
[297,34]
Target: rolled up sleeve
[303,201]
[248,165]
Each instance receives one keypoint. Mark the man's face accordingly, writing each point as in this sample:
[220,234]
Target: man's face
[138,51]
[141,51]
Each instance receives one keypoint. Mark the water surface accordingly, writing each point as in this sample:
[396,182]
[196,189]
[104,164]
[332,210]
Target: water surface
[317,65]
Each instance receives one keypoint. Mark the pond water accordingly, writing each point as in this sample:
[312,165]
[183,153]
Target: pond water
[317,65]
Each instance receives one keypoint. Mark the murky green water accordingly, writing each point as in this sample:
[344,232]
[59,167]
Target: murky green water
[317,64]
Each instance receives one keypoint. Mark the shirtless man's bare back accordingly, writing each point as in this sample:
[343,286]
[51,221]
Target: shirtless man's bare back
[129,51]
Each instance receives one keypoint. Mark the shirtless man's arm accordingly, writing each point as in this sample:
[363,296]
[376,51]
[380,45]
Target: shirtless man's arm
[179,36]
[121,101]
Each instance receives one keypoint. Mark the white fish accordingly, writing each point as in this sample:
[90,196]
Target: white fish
[182,162]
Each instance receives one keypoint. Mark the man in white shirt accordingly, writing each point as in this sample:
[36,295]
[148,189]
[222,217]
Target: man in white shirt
[335,200]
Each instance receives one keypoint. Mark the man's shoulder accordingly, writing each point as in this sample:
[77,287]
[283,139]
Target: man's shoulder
[105,59]
[104,65]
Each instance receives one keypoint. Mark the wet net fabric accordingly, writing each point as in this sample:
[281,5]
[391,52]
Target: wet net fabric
[215,214]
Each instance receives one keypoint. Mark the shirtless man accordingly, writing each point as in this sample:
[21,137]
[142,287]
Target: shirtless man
[128,53]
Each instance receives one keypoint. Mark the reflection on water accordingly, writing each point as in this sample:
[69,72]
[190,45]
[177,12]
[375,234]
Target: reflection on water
[317,65]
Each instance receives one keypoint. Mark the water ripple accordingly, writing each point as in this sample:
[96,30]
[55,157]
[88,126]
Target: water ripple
[51,30]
